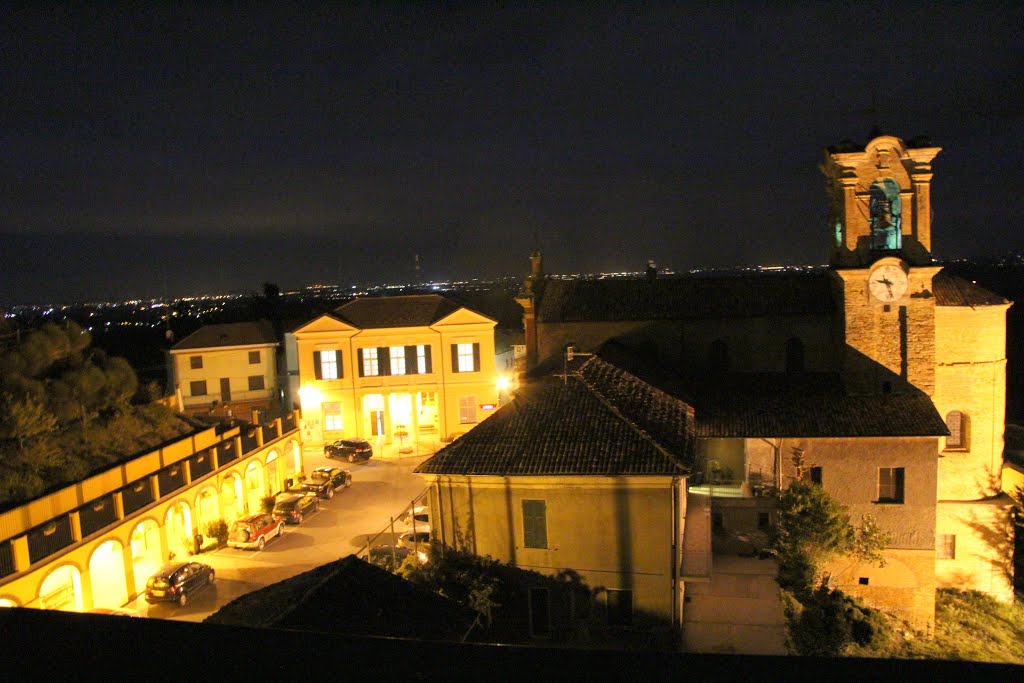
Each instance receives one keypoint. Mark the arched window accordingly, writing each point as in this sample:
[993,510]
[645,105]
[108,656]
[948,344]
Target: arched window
[956,422]
[794,355]
[886,215]
[719,357]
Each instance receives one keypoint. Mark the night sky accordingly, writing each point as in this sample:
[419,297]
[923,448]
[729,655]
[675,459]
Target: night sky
[217,149]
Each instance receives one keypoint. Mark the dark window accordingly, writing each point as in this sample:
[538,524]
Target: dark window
[620,607]
[254,358]
[46,539]
[719,357]
[763,520]
[256,383]
[200,464]
[171,478]
[815,473]
[540,612]
[195,362]
[225,389]
[956,422]
[717,521]
[136,496]
[197,387]
[890,484]
[863,580]
[6,559]
[97,514]
[535,526]
[794,355]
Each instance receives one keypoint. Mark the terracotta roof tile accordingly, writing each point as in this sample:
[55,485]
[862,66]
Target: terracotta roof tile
[951,290]
[229,334]
[415,310]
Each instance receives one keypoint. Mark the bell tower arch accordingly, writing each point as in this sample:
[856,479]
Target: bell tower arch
[879,201]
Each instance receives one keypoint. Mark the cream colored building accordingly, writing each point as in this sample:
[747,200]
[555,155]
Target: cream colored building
[401,370]
[227,369]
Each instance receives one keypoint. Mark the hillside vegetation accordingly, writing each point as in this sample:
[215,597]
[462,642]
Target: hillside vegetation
[67,410]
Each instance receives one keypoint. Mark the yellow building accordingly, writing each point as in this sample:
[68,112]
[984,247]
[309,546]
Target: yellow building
[402,370]
[229,369]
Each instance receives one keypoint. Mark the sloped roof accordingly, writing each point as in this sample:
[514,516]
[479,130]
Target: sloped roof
[697,296]
[951,290]
[229,334]
[600,421]
[811,405]
[414,310]
[349,596]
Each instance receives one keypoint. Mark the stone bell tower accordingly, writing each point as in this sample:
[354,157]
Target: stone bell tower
[880,219]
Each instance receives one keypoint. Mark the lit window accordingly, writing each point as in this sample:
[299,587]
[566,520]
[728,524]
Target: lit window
[327,364]
[397,354]
[332,417]
[946,547]
[423,359]
[467,410]
[956,422]
[254,358]
[256,383]
[465,357]
[195,362]
[535,524]
[890,484]
[370,360]
[197,388]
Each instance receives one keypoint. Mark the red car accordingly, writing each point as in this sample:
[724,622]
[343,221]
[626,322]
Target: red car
[253,531]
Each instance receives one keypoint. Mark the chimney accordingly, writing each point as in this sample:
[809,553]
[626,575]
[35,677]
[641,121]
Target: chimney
[652,271]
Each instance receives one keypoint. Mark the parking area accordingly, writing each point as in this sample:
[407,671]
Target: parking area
[381,489]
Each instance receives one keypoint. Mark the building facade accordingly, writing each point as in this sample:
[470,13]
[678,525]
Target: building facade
[402,370]
[228,369]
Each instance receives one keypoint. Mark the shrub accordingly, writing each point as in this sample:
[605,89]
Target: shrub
[217,529]
[267,503]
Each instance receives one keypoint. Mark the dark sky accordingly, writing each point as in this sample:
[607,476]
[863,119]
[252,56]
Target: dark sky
[227,147]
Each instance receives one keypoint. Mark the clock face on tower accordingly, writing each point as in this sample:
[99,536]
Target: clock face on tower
[887,282]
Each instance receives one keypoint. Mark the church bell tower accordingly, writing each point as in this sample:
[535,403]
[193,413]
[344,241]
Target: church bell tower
[880,219]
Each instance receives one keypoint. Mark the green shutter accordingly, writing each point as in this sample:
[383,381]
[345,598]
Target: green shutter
[360,363]
[476,357]
[341,366]
[318,371]
[383,360]
[455,357]
[410,361]
[426,358]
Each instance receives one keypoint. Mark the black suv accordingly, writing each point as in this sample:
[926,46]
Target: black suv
[349,449]
[291,508]
[323,481]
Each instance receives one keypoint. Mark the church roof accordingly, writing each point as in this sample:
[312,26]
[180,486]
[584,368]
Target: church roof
[694,296]
[951,290]
[413,310]
[810,406]
[229,334]
[600,420]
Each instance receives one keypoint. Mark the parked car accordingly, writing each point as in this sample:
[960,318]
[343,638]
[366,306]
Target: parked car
[389,556]
[416,540]
[324,481]
[418,518]
[349,449]
[291,508]
[176,581]
[253,531]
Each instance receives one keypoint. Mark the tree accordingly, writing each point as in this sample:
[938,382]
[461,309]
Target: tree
[26,419]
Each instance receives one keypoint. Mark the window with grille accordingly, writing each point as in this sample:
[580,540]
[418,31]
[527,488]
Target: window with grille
[256,383]
[890,484]
[535,524]
[465,357]
[371,362]
[397,354]
[956,423]
[946,547]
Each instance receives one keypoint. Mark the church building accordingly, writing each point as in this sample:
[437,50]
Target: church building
[880,377]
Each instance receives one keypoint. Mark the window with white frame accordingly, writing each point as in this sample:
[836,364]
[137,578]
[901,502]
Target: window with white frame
[327,364]
[371,362]
[332,417]
[467,410]
[466,357]
[397,354]
[423,359]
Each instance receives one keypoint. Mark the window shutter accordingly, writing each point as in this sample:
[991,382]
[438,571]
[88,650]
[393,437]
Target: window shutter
[899,483]
[360,363]
[426,357]
[384,360]
[410,361]
[455,357]
[341,366]
[318,371]
[476,357]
